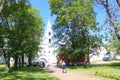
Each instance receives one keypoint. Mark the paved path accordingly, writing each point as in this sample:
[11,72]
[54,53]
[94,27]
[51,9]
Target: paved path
[72,75]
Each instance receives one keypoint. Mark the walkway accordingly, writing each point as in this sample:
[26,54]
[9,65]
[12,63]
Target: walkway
[72,75]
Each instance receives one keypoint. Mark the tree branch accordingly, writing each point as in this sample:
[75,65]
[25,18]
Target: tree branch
[118,2]
[2,5]
[107,7]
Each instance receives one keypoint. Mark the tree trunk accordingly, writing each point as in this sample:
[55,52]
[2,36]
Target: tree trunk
[87,60]
[7,64]
[16,62]
[2,5]
[7,60]
[22,60]
[86,46]
[118,2]
[19,60]
[29,60]
[112,22]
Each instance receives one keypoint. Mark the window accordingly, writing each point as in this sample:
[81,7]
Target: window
[44,51]
[49,33]
[49,40]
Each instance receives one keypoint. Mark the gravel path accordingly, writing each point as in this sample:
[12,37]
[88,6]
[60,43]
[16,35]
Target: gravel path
[72,75]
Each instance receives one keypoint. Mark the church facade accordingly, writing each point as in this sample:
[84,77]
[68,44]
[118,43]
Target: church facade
[48,50]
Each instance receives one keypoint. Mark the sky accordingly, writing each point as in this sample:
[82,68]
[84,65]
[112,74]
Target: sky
[43,7]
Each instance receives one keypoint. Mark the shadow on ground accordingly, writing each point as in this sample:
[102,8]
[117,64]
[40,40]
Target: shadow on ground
[26,73]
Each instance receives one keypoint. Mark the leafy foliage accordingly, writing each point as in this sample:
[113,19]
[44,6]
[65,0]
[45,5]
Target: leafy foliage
[114,46]
[21,29]
[112,26]
[75,19]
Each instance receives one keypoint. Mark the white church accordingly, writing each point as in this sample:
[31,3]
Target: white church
[48,49]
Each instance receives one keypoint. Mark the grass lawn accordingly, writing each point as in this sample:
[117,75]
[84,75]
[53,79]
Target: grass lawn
[106,69]
[25,73]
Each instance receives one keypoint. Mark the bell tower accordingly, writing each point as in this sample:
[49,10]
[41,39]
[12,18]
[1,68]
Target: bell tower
[49,34]
[47,51]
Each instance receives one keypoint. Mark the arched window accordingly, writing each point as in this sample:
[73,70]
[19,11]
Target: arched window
[49,40]
[49,33]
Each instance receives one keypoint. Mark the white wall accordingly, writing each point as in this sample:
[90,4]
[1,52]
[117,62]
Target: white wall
[103,53]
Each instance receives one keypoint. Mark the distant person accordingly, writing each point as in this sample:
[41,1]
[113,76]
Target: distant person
[63,67]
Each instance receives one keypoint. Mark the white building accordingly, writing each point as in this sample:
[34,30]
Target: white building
[47,45]
[101,53]
[98,55]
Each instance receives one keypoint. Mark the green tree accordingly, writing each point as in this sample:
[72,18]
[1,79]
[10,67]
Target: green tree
[27,33]
[22,29]
[34,34]
[4,29]
[113,46]
[112,11]
[74,20]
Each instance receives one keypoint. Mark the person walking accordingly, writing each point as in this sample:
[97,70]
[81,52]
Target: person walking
[64,67]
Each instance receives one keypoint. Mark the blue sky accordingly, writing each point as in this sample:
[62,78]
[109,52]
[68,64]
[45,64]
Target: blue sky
[43,7]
